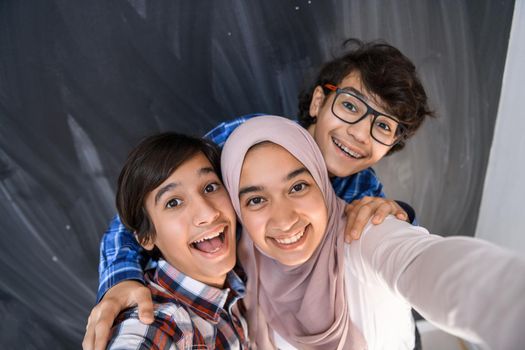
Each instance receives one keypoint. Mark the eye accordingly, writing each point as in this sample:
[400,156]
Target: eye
[211,187]
[172,203]
[383,126]
[299,187]
[254,201]
[349,106]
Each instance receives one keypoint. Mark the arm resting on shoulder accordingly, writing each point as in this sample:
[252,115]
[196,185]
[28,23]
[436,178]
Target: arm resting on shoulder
[411,213]
[120,257]
[133,334]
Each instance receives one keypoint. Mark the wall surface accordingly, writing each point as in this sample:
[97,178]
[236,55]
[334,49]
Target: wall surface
[501,208]
[82,81]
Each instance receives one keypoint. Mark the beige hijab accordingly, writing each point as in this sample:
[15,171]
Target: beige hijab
[305,304]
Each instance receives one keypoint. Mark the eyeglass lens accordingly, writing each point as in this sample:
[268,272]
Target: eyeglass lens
[350,109]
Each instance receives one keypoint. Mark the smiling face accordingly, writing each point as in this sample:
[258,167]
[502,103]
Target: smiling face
[194,222]
[282,208]
[346,148]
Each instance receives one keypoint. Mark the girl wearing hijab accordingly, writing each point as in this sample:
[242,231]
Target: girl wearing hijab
[307,286]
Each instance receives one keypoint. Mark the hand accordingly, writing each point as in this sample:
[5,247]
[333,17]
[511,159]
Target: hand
[121,296]
[360,211]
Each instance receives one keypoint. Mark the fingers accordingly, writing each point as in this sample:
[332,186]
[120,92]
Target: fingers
[123,295]
[145,305]
[99,325]
[359,212]
[102,332]
[362,216]
[89,338]
[382,211]
[350,218]
[400,213]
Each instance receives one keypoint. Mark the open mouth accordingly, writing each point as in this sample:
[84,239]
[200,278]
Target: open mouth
[293,241]
[346,150]
[211,243]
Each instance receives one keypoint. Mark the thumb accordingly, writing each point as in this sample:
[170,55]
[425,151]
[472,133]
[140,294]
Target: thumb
[145,306]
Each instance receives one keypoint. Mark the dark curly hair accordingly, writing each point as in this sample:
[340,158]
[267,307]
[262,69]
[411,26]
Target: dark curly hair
[385,72]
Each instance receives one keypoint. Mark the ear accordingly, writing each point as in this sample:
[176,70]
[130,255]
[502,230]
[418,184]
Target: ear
[316,103]
[148,244]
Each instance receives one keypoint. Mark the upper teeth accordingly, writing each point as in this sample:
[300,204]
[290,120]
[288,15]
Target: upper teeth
[346,149]
[213,235]
[292,239]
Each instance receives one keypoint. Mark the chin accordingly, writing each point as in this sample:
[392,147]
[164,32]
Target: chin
[225,265]
[340,171]
[294,261]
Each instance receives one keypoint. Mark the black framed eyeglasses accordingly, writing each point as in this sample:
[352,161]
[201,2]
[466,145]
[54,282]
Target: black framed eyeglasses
[351,109]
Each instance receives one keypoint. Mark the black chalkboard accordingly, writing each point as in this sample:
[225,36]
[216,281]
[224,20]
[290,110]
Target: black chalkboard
[82,81]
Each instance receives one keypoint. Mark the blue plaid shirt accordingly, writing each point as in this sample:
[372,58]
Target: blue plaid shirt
[121,256]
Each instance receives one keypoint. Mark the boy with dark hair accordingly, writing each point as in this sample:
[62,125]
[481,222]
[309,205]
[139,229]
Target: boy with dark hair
[385,73]
[170,194]
[363,105]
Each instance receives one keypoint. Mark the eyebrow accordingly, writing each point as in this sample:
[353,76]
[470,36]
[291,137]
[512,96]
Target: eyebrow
[356,92]
[249,189]
[367,100]
[173,185]
[164,189]
[290,176]
[296,173]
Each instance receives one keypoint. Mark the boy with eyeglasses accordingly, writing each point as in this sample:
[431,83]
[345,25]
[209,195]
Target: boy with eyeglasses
[371,79]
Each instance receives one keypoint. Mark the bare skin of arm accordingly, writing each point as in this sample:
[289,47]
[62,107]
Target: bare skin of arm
[121,296]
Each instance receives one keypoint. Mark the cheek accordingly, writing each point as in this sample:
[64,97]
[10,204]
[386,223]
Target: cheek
[254,223]
[225,205]
[321,125]
[170,225]
[379,151]
[166,240]
[319,215]
[324,126]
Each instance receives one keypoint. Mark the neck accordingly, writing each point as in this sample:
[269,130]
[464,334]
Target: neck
[215,282]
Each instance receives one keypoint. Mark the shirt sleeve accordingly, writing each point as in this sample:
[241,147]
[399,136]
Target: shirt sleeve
[221,132]
[466,286]
[366,183]
[120,257]
[357,186]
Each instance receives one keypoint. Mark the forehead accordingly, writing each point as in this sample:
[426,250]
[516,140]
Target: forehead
[354,80]
[190,170]
[267,162]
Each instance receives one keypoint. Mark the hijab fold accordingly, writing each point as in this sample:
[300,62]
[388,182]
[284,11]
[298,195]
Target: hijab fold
[306,304]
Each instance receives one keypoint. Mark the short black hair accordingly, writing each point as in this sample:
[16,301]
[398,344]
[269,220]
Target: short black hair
[148,165]
[385,72]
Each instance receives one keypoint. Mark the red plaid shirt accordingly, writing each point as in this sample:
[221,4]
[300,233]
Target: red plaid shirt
[188,315]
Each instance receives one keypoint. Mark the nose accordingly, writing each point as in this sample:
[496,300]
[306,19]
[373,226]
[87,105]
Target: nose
[361,130]
[204,211]
[283,217]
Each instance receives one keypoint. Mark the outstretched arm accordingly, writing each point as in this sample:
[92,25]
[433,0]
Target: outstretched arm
[466,286]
